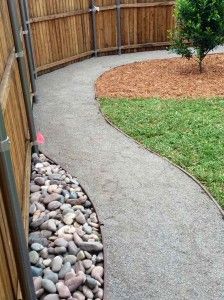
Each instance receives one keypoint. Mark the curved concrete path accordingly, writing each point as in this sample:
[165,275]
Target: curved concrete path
[164,237]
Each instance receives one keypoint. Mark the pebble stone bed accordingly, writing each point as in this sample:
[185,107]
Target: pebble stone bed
[65,243]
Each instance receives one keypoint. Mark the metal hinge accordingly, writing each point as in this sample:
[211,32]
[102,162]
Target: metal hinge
[19,54]
[5,145]
[95,9]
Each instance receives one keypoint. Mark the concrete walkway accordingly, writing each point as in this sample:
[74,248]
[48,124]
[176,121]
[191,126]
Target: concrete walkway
[164,237]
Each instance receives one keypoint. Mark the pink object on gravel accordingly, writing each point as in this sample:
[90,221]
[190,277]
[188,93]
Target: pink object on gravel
[40,138]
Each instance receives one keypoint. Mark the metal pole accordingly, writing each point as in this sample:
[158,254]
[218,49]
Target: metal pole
[22,70]
[28,49]
[93,10]
[14,216]
[27,13]
[118,5]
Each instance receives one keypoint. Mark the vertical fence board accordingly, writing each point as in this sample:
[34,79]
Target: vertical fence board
[15,119]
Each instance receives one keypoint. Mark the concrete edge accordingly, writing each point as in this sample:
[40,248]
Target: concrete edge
[205,190]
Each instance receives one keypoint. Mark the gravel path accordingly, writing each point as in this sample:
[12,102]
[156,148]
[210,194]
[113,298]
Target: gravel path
[163,236]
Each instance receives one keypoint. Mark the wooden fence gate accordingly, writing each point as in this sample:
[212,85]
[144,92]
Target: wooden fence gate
[67,30]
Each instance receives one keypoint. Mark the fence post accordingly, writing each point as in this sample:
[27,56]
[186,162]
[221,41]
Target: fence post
[14,215]
[118,6]
[22,70]
[27,16]
[93,10]
[28,45]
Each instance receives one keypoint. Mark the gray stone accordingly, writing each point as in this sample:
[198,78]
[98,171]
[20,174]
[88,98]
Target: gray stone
[87,204]
[77,239]
[32,209]
[46,233]
[39,166]
[54,205]
[51,225]
[72,248]
[87,228]
[99,293]
[87,263]
[52,197]
[80,218]
[39,221]
[40,206]
[37,283]
[49,286]
[34,188]
[37,247]
[79,296]
[91,246]
[88,255]
[74,282]
[47,262]
[44,253]
[99,257]
[70,258]
[60,242]
[79,267]
[35,197]
[36,237]
[39,293]
[36,271]
[63,290]
[54,177]
[51,250]
[87,292]
[66,268]
[66,194]
[60,250]
[68,219]
[73,195]
[39,181]
[34,257]
[80,255]
[56,264]
[48,274]
[91,282]
[52,297]
[97,273]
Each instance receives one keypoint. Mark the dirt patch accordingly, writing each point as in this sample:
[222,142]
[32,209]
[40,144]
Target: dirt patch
[167,78]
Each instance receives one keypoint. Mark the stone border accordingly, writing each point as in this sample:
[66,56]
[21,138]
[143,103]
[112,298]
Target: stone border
[67,184]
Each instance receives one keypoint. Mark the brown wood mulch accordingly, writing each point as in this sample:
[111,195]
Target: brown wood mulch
[164,78]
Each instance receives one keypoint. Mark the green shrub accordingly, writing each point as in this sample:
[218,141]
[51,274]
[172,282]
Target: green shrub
[199,28]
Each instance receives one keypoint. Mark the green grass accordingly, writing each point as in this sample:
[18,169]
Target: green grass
[188,132]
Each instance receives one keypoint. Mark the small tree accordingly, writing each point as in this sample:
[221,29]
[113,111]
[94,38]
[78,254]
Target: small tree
[199,28]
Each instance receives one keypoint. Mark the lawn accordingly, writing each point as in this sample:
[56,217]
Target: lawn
[188,132]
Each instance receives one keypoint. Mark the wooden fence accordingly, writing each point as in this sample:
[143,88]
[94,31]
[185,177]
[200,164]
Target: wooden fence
[15,119]
[67,30]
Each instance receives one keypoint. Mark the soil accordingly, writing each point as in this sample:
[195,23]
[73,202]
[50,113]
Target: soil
[166,78]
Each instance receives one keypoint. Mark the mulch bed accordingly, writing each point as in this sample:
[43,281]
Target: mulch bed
[164,78]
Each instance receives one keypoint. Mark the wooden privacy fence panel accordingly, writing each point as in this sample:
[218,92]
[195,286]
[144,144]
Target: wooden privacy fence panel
[66,30]
[15,120]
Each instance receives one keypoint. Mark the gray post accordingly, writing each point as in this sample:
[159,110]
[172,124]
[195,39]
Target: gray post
[22,70]
[27,14]
[14,216]
[28,48]
[93,10]
[118,5]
